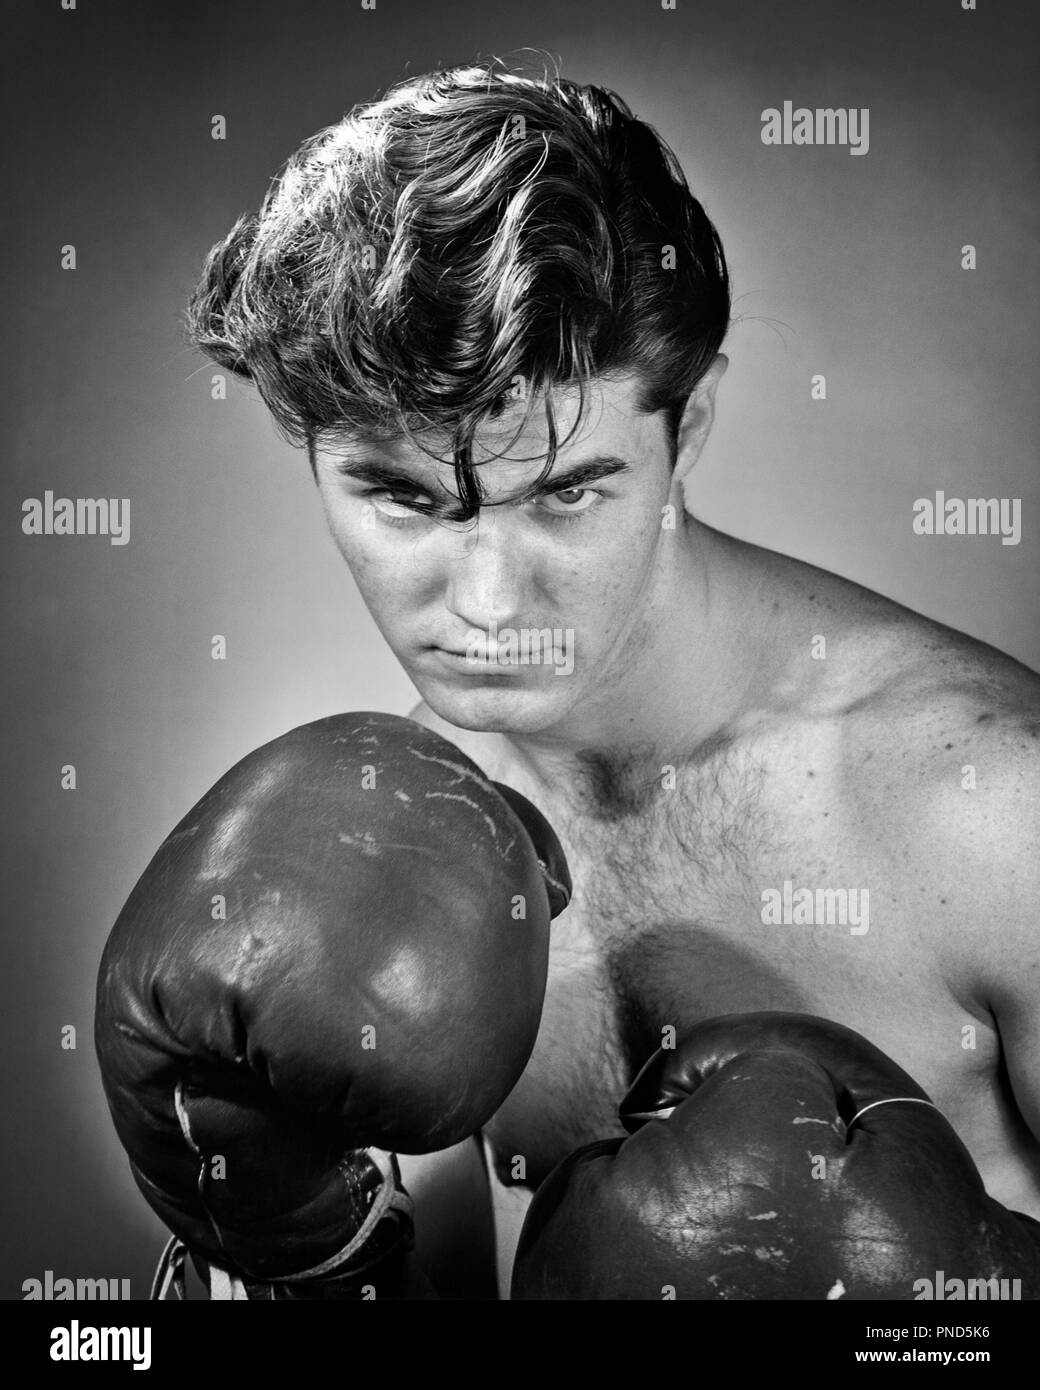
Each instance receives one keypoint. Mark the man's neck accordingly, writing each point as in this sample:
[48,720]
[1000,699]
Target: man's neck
[705,650]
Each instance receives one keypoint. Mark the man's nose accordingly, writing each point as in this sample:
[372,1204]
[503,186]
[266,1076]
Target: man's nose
[487,572]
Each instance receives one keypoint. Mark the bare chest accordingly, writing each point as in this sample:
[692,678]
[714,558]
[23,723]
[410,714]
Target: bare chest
[739,895]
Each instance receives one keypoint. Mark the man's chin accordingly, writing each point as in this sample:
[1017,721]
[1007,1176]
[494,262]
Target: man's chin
[496,708]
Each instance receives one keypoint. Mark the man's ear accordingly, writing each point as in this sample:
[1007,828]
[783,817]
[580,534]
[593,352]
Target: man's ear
[697,418]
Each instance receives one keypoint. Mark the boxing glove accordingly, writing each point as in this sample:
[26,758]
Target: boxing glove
[770,1156]
[339,953]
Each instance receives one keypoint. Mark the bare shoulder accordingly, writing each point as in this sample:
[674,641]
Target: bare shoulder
[939,766]
[940,707]
[905,712]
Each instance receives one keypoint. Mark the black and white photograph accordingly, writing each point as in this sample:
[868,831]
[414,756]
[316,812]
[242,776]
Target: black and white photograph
[521,704]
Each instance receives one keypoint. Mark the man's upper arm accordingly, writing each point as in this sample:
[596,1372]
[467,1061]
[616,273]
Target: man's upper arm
[1015,979]
[977,836]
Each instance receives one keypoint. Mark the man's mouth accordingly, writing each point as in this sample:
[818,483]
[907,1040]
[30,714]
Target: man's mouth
[483,662]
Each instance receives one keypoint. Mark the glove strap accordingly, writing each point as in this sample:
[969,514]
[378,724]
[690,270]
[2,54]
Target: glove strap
[389,1200]
[892,1100]
[667,1111]
[170,1272]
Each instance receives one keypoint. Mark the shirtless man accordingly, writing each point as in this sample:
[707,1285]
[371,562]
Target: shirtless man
[728,720]
[693,652]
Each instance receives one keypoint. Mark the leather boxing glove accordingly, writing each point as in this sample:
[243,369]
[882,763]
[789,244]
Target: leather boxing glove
[771,1156]
[340,952]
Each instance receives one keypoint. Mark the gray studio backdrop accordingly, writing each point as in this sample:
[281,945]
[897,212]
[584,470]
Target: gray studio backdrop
[844,265]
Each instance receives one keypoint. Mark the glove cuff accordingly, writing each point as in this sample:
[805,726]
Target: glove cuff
[385,1233]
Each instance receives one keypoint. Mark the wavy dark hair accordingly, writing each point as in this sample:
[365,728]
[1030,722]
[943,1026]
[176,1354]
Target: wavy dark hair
[474,237]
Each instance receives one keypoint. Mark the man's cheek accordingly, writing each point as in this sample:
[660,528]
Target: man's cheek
[365,557]
[377,587]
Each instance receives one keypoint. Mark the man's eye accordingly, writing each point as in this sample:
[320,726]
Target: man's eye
[394,504]
[570,500]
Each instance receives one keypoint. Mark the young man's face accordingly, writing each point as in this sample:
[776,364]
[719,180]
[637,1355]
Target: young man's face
[511,621]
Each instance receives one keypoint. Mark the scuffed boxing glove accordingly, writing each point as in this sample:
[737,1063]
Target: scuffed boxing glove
[340,952]
[771,1156]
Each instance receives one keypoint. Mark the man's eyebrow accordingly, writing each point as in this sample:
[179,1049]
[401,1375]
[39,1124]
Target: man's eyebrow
[378,474]
[578,475]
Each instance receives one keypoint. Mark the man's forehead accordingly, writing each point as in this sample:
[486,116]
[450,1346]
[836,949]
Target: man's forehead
[609,416]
